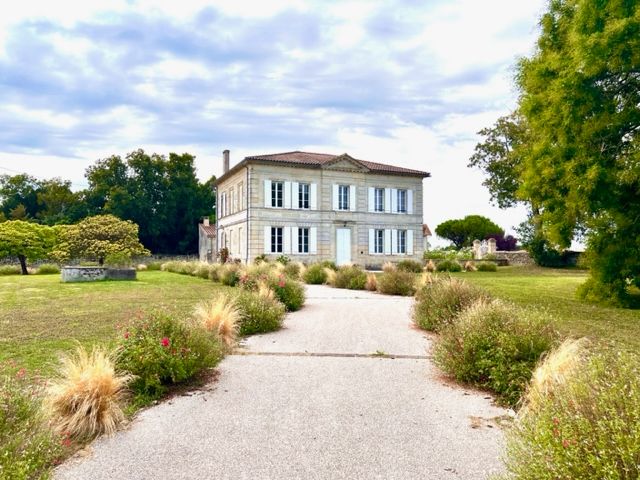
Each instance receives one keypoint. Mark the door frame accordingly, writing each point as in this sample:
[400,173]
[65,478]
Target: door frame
[338,230]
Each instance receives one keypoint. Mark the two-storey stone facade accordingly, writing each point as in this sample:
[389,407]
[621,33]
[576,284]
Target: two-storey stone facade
[311,206]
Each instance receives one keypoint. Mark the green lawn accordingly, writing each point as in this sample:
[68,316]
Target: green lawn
[40,316]
[555,290]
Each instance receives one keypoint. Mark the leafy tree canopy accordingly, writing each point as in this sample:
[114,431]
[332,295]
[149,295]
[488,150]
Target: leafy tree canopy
[97,237]
[25,241]
[462,232]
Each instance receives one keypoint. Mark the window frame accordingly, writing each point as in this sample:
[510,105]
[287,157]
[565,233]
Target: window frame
[402,205]
[304,234]
[402,242]
[277,234]
[304,190]
[343,197]
[378,241]
[277,194]
[378,194]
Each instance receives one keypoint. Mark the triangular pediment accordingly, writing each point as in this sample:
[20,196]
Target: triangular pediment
[345,163]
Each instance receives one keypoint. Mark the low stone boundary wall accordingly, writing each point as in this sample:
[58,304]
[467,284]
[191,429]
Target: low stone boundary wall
[516,257]
[94,274]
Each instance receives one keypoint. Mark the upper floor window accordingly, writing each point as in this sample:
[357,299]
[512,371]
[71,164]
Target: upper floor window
[303,240]
[277,194]
[276,239]
[240,196]
[303,195]
[343,197]
[402,201]
[379,199]
[378,239]
[402,241]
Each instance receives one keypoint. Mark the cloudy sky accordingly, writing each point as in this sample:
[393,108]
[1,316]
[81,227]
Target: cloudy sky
[406,82]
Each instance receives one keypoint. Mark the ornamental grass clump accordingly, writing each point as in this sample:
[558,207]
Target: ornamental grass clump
[495,345]
[201,270]
[315,274]
[28,447]
[259,313]
[430,267]
[85,398]
[48,269]
[349,276]
[412,266]
[584,423]
[372,282]
[10,270]
[229,274]
[397,282]
[161,349]
[289,292]
[448,266]
[220,316]
[487,267]
[440,300]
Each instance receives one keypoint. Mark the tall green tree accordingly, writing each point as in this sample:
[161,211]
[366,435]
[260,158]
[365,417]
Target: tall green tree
[25,241]
[580,96]
[462,232]
[19,196]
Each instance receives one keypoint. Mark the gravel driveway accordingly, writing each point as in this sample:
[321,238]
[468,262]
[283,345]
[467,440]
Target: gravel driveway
[316,400]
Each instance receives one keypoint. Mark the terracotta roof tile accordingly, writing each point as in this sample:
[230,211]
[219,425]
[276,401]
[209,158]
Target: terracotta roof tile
[426,231]
[307,158]
[210,230]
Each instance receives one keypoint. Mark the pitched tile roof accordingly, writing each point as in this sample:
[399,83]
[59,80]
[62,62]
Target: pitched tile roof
[426,231]
[209,230]
[319,159]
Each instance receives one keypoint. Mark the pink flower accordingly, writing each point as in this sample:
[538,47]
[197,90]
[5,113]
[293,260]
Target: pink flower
[21,373]
[165,342]
[565,443]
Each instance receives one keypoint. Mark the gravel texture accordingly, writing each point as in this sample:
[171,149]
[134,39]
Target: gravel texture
[282,416]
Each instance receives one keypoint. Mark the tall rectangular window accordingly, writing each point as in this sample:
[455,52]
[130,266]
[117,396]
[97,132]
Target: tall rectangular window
[240,196]
[303,240]
[343,197]
[277,194]
[379,200]
[378,238]
[303,195]
[276,239]
[402,241]
[402,201]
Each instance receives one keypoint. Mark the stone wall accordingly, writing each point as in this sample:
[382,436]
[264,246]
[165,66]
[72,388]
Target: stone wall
[517,257]
[94,274]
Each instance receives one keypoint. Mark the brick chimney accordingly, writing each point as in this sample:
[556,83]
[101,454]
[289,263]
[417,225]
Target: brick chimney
[225,161]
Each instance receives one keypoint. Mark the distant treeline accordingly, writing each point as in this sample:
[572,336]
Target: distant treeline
[162,195]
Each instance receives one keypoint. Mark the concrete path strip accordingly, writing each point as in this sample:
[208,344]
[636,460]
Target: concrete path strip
[299,405]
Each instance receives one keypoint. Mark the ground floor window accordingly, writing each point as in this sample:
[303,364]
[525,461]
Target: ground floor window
[378,246]
[303,240]
[402,241]
[276,239]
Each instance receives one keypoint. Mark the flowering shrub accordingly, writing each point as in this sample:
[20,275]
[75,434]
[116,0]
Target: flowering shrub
[258,313]
[351,277]
[495,345]
[289,292]
[586,426]
[27,446]
[315,274]
[161,350]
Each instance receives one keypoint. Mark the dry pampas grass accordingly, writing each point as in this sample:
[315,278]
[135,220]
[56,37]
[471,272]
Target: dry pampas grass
[265,291]
[85,399]
[430,266]
[220,316]
[554,370]
[470,267]
[331,275]
[372,282]
[388,267]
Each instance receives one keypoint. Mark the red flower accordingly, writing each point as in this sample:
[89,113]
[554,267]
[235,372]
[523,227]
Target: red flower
[165,342]
[21,373]
[565,443]
[126,335]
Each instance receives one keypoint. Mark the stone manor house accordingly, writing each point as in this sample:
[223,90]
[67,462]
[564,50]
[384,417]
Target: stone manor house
[313,206]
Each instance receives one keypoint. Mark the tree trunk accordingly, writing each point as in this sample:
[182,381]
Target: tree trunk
[100,261]
[23,264]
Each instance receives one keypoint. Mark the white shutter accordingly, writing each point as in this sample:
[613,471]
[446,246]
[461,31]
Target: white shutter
[394,241]
[387,200]
[313,193]
[287,194]
[394,200]
[372,241]
[410,202]
[313,240]
[267,239]
[294,240]
[353,198]
[335,197]
[409,242]
[295,186]
[372,199]
[286,232]
[387,242]
[267,193]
